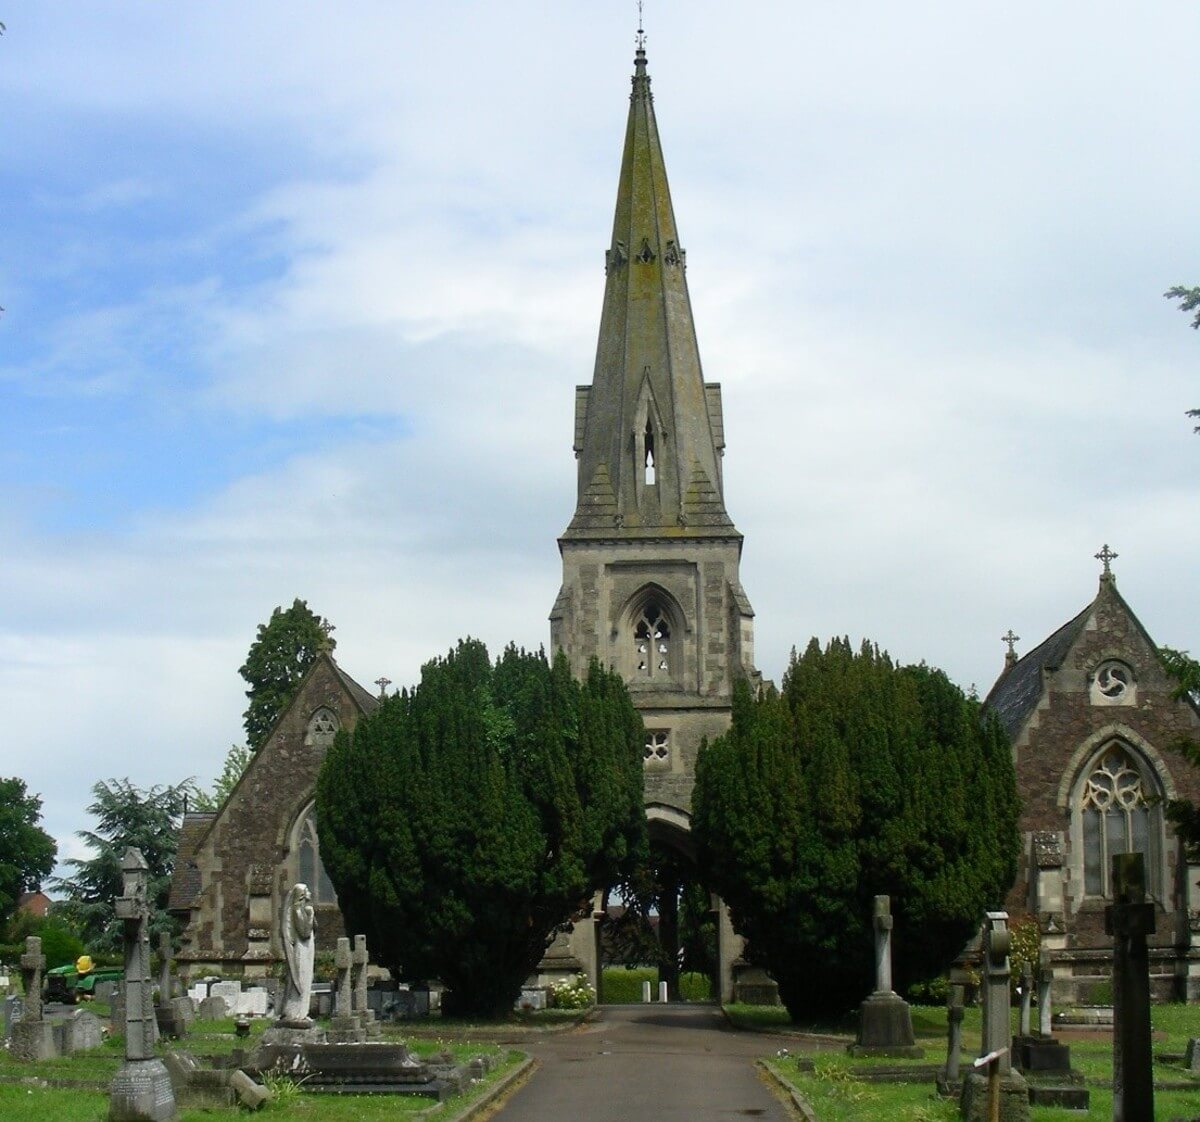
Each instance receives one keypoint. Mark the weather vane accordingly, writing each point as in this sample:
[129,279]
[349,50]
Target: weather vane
[641,34]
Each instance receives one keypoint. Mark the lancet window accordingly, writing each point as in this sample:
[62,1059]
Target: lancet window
[310,869]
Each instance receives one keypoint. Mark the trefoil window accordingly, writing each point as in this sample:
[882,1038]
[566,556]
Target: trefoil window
[652,643]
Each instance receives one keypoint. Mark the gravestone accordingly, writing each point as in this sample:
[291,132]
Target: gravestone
[1045,1002]
[213,1009]
[230,992]
[997,1033]
[141,1089]
[79,1031]
[171,1013]
[14,1010]
[1129,920]
[33,1035]
[884,1019]
[362,1008]
[345,1027]
[1025,989]
[948,1080]
[253,1002]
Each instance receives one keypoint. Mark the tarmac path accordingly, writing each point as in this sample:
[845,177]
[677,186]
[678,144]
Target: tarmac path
[649,1063]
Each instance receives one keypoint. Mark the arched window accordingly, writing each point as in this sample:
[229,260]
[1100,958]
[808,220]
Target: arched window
[322,728]
[1119,812]
[653,650]
[310,869]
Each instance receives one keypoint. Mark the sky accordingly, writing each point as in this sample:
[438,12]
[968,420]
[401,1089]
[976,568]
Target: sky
[296,297]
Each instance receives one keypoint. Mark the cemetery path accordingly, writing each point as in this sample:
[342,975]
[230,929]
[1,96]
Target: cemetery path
[649,1063]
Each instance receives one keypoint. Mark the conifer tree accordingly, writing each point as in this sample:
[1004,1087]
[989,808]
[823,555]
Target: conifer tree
[463,822]
[858,778]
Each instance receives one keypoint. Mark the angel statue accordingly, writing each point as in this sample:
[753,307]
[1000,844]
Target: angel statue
[299,925]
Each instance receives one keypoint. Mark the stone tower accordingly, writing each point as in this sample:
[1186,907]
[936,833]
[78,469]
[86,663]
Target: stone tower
[650,559]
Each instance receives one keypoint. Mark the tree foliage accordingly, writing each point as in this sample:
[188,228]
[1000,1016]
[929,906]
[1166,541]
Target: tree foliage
[1185,815]
[126,815]
[280,656]
[236,760]
[464,821]
[859,778]
[27,852]
[1189,302]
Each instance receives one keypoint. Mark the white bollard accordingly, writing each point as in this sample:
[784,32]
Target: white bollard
[646,993]
[662,992]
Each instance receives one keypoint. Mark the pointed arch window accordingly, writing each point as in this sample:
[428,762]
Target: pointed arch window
[1118,806]
[653,649]
[323,726]
[310,869]
[651,477]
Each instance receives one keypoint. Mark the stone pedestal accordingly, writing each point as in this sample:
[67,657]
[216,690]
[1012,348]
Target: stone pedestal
[294,1033]
[885,1028]
[1014,1098]
[1042,1055]
[33,1040]
[141,1092]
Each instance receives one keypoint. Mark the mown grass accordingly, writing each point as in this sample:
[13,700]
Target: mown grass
[26,1100]
[838,1093]
[620,985]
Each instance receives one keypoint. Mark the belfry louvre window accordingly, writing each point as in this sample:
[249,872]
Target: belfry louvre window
[652,643]
[1119,816]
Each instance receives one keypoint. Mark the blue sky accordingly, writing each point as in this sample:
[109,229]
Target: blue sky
[296,301]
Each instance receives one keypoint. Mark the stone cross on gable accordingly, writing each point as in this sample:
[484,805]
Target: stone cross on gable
[1106,557]
[1012,639]
[33,964]
[383,684]
[883,944]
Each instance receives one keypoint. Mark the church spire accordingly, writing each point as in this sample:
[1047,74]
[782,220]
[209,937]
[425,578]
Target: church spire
[648,431]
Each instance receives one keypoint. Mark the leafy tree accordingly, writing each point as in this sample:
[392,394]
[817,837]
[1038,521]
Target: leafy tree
[1185,670]
[463,822]
[279,657]
[126,816]
[859,778]
[1189,301]
[27,852]
[236,759]
[60,944]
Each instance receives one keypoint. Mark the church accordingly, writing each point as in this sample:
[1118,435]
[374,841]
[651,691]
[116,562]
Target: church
[651,586]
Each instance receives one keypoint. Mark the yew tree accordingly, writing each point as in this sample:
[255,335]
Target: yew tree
[467,819]
[859,777]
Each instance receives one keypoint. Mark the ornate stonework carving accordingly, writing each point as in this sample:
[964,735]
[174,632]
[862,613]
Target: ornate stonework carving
[1047,849]
[645,255]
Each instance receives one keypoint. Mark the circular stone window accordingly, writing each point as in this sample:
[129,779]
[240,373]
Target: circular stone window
[1113,684]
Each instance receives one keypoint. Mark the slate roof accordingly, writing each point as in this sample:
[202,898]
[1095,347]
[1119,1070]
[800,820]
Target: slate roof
[1018,690]
[185,880]
[366,700]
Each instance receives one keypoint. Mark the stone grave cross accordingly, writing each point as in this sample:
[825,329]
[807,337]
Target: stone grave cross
[1045,978]
[361,960]
[141,1089]
[164,968]
[344,1028]
[33,964]
[1129,919]
[883,944]
[997,1026]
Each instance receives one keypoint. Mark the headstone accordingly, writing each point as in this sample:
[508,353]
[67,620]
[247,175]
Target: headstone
[1045,1002]
[251,1095]
[213,1009]
[252,1003]
[231,992]
[954,1021]
[345,1027]
[1191,1057]
[361,959]
[997,1034]
[33,1035]
[14,1010]
[82,1031]
[141,1089]
[164,967]
[1025,989]
[172,1023]
[884,1020]
[1129,920]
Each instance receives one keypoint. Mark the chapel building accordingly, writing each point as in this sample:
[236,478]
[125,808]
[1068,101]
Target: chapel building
[1097,727]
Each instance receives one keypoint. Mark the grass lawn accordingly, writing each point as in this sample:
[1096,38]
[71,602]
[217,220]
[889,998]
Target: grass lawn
[209,1038]
[620,985]
[837,1092]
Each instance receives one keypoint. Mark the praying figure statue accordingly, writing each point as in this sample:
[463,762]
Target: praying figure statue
[299,949]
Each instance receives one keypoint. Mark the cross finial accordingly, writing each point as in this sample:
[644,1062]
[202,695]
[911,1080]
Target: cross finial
[1106,556]
[383,684]
[1012,639]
